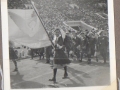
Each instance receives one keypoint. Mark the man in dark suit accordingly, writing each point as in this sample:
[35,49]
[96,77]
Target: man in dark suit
[90,46]
[68,43]
[76,44]
[103,45]
[83,45]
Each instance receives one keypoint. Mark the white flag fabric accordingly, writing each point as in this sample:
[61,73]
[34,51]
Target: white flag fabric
[26,29]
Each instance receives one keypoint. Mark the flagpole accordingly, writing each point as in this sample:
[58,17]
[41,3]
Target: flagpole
[41,23]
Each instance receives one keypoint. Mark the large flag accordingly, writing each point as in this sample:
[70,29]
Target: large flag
[26,29]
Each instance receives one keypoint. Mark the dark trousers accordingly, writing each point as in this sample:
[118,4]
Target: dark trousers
[41,55]
[77,53]
[48,57]
[68,51]
[89,53]
[55,72]
[92,51]
[82,53]
[32,54]
[103,53]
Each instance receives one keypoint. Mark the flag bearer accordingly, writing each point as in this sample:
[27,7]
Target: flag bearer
[60,58]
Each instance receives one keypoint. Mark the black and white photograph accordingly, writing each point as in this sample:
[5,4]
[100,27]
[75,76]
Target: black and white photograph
[59,44]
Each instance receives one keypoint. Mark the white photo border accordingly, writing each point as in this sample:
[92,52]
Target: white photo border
[5,45]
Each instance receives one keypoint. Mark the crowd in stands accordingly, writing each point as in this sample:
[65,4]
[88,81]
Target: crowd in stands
[54,12]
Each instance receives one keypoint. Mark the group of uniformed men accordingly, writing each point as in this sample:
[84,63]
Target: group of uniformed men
[83,44]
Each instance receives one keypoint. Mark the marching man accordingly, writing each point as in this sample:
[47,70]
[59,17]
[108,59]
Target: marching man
[60,58]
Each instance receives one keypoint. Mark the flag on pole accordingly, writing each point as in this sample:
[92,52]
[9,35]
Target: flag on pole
[26,29]
[37,13]
[34,7]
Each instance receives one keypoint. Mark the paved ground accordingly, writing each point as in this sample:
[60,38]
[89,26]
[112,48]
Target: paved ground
[36,73]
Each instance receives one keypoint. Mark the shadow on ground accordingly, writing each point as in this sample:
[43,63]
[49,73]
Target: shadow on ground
[25,84]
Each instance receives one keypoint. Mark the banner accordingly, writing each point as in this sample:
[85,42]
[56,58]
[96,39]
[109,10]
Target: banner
[26,29]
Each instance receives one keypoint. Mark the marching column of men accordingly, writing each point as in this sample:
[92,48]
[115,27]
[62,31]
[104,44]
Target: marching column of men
[86,44]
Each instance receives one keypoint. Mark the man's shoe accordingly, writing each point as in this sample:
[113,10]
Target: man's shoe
[15,70]
[80,60]
[65,76]
[53,79]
